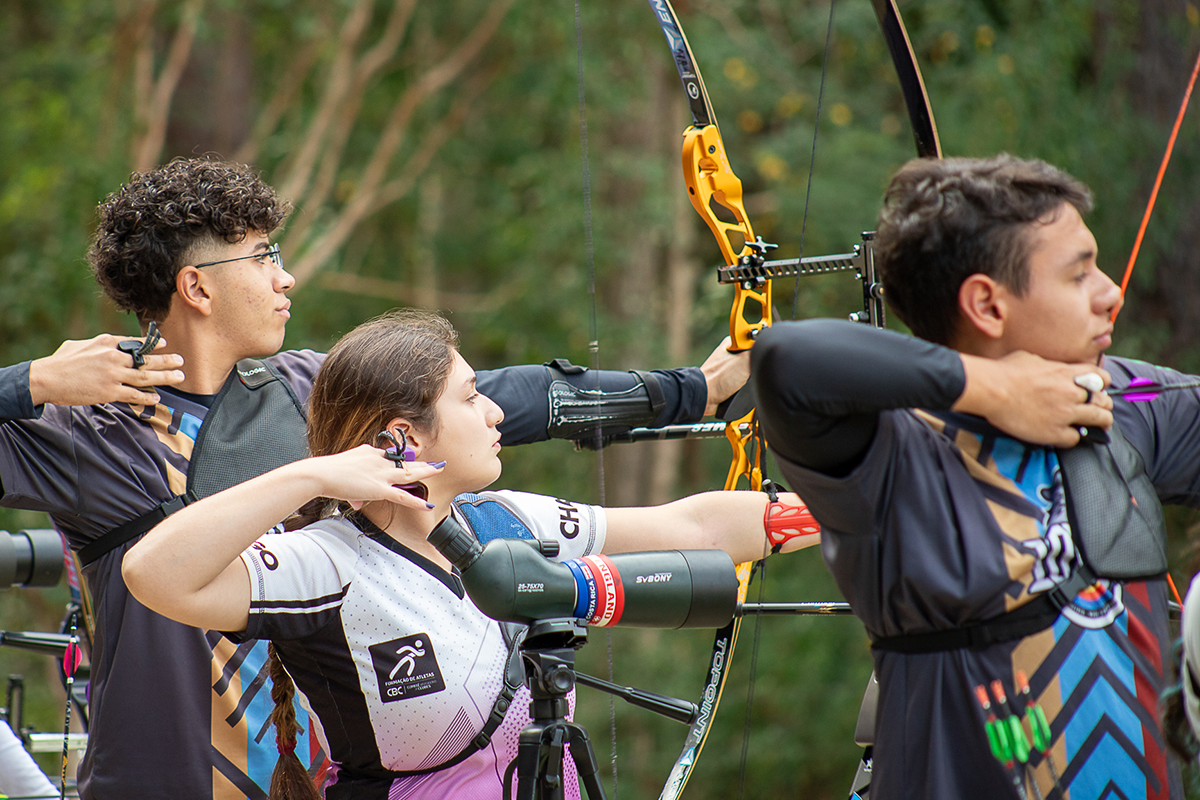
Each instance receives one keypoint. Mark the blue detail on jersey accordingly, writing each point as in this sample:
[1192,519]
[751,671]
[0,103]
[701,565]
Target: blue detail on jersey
[260,761]
[1103,735]
[1098,676]
[189,425]
[490,519]
[1035,466]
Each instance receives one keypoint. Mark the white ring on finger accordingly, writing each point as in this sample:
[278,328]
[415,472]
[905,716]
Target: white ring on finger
[1089,382]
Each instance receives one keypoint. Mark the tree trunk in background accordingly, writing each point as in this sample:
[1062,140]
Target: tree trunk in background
[632,304]
[424,250]
[655,284]
[1157,82]
[682,268]
[213,107]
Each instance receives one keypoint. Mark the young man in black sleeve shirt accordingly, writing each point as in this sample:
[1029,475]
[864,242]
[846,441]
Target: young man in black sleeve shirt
[107,449]
[987,510]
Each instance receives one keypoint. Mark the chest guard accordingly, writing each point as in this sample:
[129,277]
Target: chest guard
[1117,526]
[255,424]
[1116,517]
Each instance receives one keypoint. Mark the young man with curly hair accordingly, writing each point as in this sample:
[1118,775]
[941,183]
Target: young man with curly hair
[108,447]
[988,510]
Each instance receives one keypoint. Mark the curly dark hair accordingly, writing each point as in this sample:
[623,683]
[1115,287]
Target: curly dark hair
[147,226]
[944,220]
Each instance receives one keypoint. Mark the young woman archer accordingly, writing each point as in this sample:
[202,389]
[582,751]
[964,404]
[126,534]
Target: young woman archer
[400,668]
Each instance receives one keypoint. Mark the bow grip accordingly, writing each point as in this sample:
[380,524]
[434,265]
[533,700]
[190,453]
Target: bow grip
[742,331]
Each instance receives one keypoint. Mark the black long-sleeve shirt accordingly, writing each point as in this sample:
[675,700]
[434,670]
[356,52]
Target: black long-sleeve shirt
[822,383]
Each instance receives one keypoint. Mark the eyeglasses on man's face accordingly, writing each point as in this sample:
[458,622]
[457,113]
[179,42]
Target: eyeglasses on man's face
[271,253]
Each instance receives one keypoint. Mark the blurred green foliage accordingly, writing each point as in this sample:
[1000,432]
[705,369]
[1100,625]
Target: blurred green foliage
[494,226]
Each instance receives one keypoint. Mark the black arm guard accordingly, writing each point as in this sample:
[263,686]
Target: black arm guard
[590,416]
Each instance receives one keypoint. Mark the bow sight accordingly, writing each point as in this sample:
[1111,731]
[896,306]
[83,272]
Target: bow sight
[753,270]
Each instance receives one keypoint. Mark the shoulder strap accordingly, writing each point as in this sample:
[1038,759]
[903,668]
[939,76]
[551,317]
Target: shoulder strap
[118,536]
[256,423]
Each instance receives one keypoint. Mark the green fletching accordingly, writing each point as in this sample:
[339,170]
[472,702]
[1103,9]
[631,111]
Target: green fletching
[1042,737]
[994,740]
[1004,738]
[1020,744]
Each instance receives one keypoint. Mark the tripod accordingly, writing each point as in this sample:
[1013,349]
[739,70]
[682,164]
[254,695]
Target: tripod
[548,653]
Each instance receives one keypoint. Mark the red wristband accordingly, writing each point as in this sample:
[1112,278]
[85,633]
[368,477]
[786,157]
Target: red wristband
[785,521]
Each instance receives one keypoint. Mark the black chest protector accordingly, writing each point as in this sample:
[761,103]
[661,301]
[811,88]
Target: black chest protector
[1116,517]
[255,424]
[1117,526]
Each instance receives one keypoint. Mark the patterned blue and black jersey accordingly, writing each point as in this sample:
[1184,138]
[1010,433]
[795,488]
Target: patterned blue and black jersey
[934,521]
[176,712]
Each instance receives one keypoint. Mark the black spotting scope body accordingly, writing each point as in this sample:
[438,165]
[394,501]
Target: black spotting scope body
[30,558]
[513,581]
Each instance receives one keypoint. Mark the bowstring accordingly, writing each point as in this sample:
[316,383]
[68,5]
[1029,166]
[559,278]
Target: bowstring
[594,344]
[589,248]
[761,567]
[1162,169]
[812,161]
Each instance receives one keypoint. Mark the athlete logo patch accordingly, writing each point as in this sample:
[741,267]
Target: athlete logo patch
[406,667]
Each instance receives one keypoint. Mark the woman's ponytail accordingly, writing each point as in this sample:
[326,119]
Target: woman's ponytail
[290,780]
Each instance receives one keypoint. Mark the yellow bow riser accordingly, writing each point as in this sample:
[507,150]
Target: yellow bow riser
[710,180]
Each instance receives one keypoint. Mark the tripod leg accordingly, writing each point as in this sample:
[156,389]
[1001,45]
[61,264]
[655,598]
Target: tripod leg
[540,761]
[551,785]
[529,747]
[585,761]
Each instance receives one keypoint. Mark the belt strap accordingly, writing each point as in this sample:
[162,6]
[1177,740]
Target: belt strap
[1034,616]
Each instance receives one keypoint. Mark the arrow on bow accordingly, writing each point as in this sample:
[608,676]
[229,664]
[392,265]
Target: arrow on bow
[711,182]
[1143,390]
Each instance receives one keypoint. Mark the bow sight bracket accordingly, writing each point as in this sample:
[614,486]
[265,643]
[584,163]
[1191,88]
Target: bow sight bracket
[755,272]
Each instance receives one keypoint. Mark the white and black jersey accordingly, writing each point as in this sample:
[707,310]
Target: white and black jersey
[397,664]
